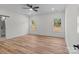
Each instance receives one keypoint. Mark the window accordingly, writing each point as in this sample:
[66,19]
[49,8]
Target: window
[57,24]
[34,26]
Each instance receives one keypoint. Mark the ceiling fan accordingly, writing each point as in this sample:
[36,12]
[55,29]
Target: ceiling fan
[31,7]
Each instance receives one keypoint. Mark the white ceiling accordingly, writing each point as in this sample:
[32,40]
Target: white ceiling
[43,8]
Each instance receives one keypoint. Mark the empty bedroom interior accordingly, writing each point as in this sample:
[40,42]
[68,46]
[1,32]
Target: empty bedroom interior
[39,29]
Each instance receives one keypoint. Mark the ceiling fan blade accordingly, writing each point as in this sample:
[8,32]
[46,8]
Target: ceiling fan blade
[29,5]
[35,7]
[35,10]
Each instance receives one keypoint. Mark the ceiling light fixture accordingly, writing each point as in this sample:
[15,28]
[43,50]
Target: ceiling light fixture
[30,9]
[53,9]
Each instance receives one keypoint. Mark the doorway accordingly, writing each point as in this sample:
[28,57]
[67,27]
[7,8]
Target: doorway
[2,28]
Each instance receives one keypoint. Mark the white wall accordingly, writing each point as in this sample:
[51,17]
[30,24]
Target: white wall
[16,24]
[71,35]
[45,24]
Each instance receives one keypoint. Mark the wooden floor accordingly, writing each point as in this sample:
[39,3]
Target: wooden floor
[33,44]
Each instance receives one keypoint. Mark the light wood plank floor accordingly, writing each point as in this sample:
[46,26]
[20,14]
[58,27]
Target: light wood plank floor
[33,44]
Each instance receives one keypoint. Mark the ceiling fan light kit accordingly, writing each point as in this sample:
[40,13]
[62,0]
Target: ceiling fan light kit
[31,7]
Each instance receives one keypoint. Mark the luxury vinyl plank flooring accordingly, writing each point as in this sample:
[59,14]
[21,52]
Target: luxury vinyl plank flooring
[33,44]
